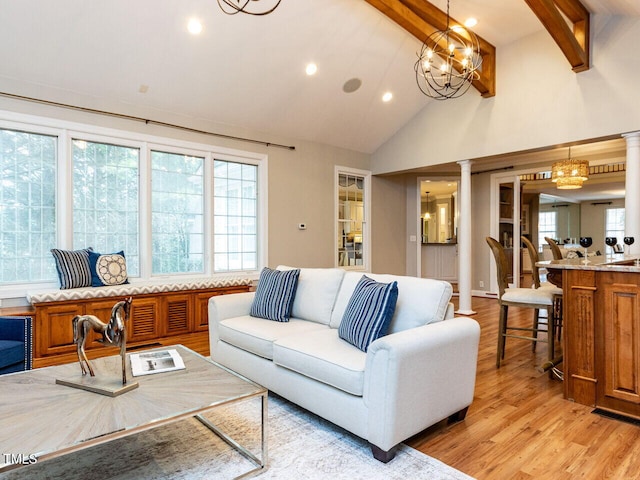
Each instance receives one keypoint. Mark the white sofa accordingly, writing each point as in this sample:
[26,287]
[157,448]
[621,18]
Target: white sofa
[422,372]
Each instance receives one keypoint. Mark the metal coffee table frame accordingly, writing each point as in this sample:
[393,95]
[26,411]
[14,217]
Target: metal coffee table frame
[261,464]
[40,419]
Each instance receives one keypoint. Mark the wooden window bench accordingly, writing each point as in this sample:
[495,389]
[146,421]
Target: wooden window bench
[161,314]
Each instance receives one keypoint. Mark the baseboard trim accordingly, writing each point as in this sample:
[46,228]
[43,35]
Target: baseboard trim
[617,416]
[483,293]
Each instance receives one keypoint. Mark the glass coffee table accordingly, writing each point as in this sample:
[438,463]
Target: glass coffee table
[40,419]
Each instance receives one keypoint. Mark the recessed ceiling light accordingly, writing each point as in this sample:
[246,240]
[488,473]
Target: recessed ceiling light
[387,97]
[470,22]
[311,69]
[194,26]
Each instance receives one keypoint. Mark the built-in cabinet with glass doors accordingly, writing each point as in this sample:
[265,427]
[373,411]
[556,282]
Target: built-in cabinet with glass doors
[351,219]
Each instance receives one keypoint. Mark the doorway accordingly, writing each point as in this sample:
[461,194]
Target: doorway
[438,213]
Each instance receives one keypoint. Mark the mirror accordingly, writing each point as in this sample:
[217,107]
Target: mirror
[439,211]
[566,215]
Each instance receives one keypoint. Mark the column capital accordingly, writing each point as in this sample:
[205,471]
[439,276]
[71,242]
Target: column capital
[465,163]
[632,137]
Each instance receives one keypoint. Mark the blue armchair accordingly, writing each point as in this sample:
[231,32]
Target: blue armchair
[15,344]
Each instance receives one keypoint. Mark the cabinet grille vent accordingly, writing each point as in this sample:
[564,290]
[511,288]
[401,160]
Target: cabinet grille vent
[143,321]
[177,316]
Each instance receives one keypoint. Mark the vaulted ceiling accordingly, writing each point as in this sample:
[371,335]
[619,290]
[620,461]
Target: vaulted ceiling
[567,21]
[246,75]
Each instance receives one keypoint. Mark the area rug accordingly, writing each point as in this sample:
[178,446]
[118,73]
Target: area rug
[301,445]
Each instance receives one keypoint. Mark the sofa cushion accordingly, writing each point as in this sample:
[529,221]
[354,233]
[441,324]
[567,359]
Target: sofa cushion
[11,352]
[420,300]
[323,356]
[368,312]
[256,335]
[274,295]
[316,293]
[73,267]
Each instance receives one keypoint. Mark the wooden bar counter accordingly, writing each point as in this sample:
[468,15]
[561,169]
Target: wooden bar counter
[601,330]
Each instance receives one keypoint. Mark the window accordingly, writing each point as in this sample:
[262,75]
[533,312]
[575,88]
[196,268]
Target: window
[106,199]
[27,206]
[353,188]
[235,206]
[614,225]
[547,226]
[173,207]
[177,213]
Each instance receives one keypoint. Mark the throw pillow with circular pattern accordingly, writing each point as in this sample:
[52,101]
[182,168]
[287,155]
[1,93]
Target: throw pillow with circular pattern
[108,269]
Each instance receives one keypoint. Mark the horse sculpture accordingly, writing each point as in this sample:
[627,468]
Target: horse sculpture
[113,333]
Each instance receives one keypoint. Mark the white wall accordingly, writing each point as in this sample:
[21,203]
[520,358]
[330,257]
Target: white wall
[388,225]
[539,102]
[480,226]
[412,214]
[301,190]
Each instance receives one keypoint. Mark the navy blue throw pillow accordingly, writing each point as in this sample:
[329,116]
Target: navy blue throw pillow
[369,312]
[275,293]
[108,269]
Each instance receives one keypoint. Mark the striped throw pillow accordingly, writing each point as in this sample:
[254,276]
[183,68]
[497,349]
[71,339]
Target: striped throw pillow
[368,313]
[73,267]
[274,295]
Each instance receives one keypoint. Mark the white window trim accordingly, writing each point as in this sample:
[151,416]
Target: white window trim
[620,240]
[261,212]
[65,131]
[366,229]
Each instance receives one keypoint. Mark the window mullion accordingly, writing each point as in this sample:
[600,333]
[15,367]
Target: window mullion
[145,211]
[208,214]
[64,195]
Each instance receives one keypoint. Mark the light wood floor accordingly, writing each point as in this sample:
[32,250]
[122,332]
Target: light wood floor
[519,425]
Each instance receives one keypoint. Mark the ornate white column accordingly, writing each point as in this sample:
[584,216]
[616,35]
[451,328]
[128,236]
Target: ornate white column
[464,240]
[632,191]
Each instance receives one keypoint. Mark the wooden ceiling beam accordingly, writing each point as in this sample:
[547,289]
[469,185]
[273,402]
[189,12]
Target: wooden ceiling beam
[574,42]
[420,18]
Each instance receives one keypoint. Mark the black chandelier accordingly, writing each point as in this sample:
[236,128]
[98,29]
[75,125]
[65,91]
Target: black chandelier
[448,62]
[250,7]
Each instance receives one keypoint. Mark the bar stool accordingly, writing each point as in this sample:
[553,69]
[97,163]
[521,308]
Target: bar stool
[537,299]
[537,283]
[555,249]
